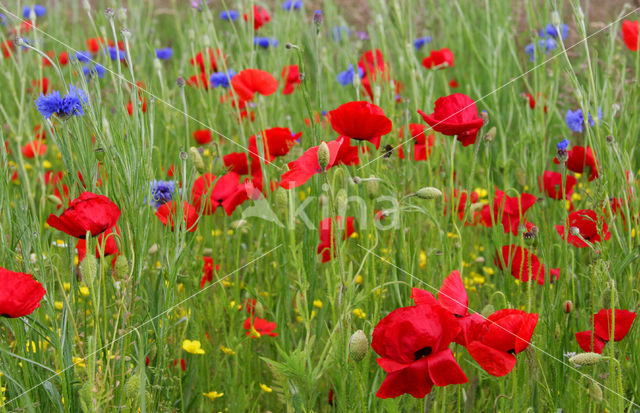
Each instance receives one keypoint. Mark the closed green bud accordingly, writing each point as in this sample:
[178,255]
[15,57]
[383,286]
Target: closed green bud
[586,359]
[595,391]
[429,192]
[196,158]
[358,345]
[259,309]
[487,310]
[54,200]
[341,200]
[489,136]
[373,187]
[132,386]
[153,249]
[89,268]
[282,200]
[121,267]
[323,155]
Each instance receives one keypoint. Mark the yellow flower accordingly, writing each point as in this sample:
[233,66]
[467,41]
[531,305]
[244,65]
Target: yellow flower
[265,388]
[212,395]
[46,164]
[58,305]
[193,347]
[576,197]
[354,235]
[227,351]
[423,259]
[359,313]
[317,303]
[482,193]
[66,286]
[229,232]
[84,291]
[488,270]
[77,361]
[359,279]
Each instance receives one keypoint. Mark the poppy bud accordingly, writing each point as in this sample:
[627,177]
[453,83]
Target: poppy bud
[586,359]
[489,136]
[207,252]
[358,345]
[89,268]
[122,13]
[86,5]
[196,158]
[206,41]
[282,200]
[373,187]
[487,310]
[341,201]
[575,231]
[609,295]
[86,397]
[567,306]
[153,249]
[428,192]
[54,200]
[557,332]
[555,19]
[595,391]
[121,267]
[323,155]
[258,309]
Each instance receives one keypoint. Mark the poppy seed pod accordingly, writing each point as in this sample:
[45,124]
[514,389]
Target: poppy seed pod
[429,193]
[324,156]
[121,267]
[586,359]
[196,158]
[358,345]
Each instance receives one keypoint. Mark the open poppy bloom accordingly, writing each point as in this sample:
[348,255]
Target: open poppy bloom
[20,294]
[307,165]
[260,16]
[579,159]
[495,343]
[422,144]
[595,339]
[226,191]
[360,120]
[524,265]
[455,115]
[202,136]
[326,245]
[214,56]
[167,212]
[463,200]
[106,244]
[551,184]
[278,142]
[452,296]
[438,59]
[291,77]
[372,65]
[34,148]
[207,271]
[413,344]
[251,81]
[586,222]
[508,210]
[87,213]
[630,34]
[257,327]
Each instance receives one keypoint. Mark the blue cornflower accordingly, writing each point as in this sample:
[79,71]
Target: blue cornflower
[37,9]
[221,78]
[337,33]
[162,192]
[546,45]
[575,120]
[62,106]
[421,41]
[98,70]
[264,42]
[550,30]
[563,145]
[346,78]
[230,15]
[164,54]
[115,53]
[83,57]
[292,5]
[3,19]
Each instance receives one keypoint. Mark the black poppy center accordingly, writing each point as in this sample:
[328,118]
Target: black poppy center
[423,352]
[512,351]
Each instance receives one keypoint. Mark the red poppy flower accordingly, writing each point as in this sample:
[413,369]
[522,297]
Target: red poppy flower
[42,85]
[183,364]
[525,265]
[218,191]
[257,327]
[372,63]
[453,84]
[93,44]
[167,212]
[463,200]
[250,306]
[260,17]
[587,223]
[579,158]
[207,271]
[106,244]
[438,59]
[504,334]
[251,81]
[422,144]
[202,136]
[291,77]
[348,154]
[6,47]
[307,165]
[199,81]
[595,339]
[278,142]
[551,184]
[34,148]
[236,162]
[214,56]
[20,294]
[630,34]
[326,245]
[360,120]
[413,343]
[455,114]
[63,58]
[87,213]
[508,209]
[142,105]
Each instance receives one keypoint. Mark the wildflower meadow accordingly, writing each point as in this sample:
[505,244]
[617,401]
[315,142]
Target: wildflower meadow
[319,206]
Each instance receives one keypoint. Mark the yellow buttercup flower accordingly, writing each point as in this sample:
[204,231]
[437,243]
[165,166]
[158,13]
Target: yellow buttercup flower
[193,347]
[317,303]
[359,313]
[212,395]
[265,388]
[227,351]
